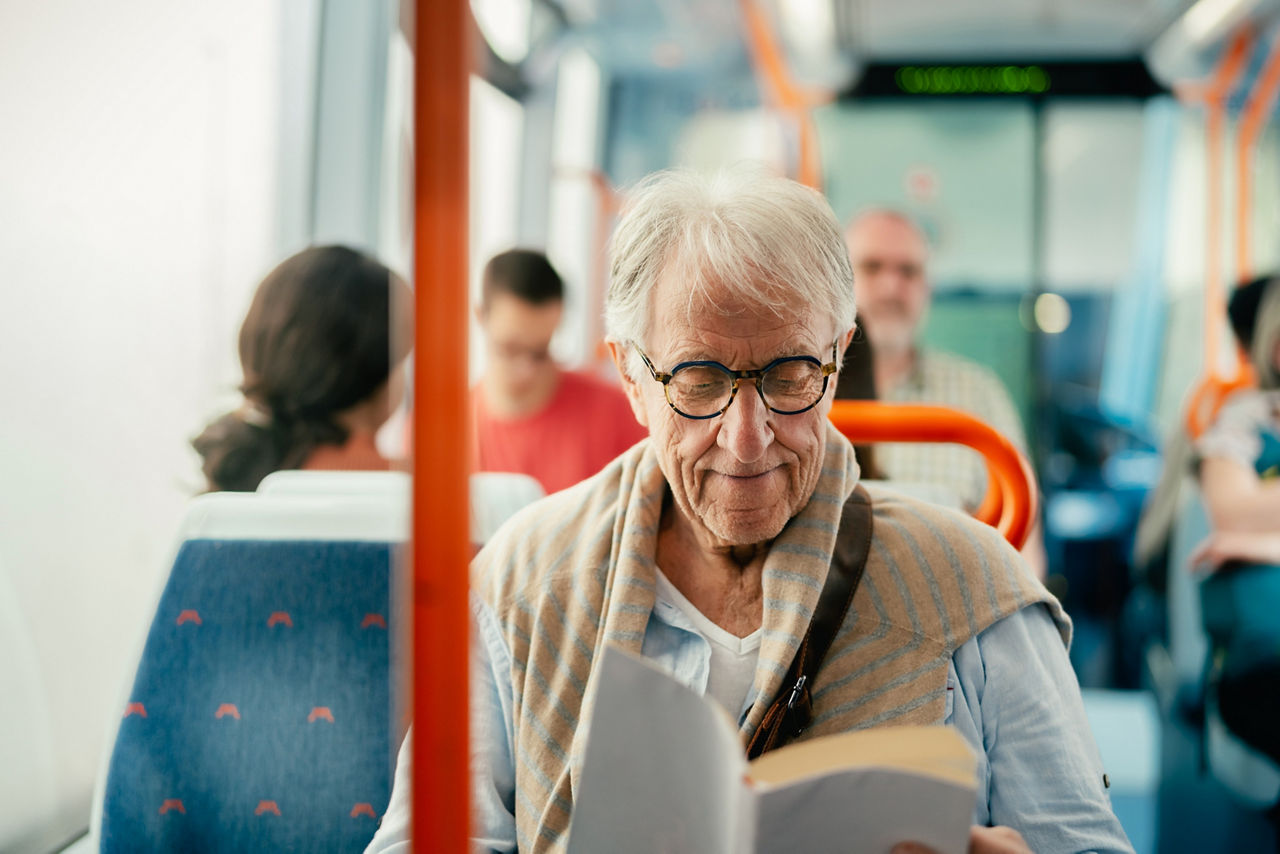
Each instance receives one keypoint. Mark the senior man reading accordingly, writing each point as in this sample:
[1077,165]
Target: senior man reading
[705,547]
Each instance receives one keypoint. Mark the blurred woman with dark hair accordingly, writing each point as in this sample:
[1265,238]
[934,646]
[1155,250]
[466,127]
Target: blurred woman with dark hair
[1239,472]
[322,349]
[857,381]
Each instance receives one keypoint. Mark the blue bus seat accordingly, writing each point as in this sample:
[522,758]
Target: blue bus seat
[261,715]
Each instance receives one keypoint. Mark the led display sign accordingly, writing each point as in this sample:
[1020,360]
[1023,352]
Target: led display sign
[938,79]
[971,79]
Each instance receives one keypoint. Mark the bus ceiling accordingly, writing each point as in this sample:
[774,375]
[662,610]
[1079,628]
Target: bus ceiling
[870,48]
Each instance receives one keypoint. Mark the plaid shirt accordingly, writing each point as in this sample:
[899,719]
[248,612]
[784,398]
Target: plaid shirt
[949,380]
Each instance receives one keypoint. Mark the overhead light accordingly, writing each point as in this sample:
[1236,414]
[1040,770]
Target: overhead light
[1185,51]
[808,29]
[1209,19]
[505,24]
[1052,313]
[810,25]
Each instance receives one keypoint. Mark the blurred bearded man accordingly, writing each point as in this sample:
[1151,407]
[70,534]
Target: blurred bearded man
[890,254]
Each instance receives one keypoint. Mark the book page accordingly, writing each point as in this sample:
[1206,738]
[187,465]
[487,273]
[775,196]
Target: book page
[663,770]
[866,791]
[864,811]
[933,750]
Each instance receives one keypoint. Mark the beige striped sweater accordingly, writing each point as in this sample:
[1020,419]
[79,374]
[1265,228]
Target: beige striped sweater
[576,571]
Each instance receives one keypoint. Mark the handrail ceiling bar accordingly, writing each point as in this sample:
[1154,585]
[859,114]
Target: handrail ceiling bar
[1210,391]
[780,90]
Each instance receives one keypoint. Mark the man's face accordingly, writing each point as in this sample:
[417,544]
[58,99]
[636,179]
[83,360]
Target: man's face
[738,477]
[889,285]
[518,341]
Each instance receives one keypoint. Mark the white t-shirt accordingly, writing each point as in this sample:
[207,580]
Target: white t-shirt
[733,659]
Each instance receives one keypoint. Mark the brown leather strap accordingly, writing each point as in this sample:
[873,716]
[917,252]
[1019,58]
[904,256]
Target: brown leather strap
[792,710]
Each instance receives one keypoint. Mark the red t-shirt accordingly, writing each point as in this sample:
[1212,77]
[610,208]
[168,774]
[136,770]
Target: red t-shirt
[587,423]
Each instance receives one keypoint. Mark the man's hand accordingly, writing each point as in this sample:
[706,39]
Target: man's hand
[982,840]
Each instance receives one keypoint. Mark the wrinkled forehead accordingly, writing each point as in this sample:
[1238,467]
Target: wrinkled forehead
[687,304]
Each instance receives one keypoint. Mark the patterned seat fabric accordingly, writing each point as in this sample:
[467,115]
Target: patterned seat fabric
[261,715]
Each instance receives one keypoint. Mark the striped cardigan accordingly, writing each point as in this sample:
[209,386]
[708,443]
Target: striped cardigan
[576,571]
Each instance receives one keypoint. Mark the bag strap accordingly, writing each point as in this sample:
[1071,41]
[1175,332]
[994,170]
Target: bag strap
[792,709]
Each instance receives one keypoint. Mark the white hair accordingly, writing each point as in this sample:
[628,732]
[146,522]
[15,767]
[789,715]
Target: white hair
[766,240]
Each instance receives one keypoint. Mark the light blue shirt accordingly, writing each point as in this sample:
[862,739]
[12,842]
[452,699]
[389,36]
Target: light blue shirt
[1010,692]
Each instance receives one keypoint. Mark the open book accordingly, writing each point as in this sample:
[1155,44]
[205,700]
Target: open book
[665,771]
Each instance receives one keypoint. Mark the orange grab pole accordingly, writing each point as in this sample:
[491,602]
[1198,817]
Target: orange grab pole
[1213,387]
[1256,111]
[439,549]
[865,421]
[771,67]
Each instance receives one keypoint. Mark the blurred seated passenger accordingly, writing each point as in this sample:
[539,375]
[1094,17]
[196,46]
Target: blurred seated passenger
[890,254]
[857,381]
[705,548]
[530,415]
[322,350]
[1239,472]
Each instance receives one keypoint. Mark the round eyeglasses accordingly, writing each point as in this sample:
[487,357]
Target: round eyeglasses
[705,389]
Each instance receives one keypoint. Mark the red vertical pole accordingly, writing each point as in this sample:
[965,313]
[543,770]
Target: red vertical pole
[440,546]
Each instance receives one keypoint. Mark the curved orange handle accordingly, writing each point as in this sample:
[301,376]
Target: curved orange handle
[1208,396]
[1013,508]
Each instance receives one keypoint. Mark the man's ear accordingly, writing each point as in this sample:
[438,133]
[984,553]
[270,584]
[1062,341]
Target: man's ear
[481,313]
[619,354]
[847,338]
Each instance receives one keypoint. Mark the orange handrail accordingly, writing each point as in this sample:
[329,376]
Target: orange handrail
[440,551]
[1214,387]
[783,93]
[1009,474]
[1261,100]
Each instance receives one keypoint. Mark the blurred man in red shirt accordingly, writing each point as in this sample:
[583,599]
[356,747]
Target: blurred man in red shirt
[530,415]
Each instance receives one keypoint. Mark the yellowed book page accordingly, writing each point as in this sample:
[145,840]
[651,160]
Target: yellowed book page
[931,751]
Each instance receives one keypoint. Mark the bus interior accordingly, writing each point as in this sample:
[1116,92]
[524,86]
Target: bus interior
[1092,178]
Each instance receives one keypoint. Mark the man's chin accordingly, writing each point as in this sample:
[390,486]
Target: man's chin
[745,527]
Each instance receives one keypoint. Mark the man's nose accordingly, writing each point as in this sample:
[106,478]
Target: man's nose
[744,428]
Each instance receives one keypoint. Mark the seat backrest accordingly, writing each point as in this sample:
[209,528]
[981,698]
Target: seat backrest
[261,713]
[298,482]
[495,496]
